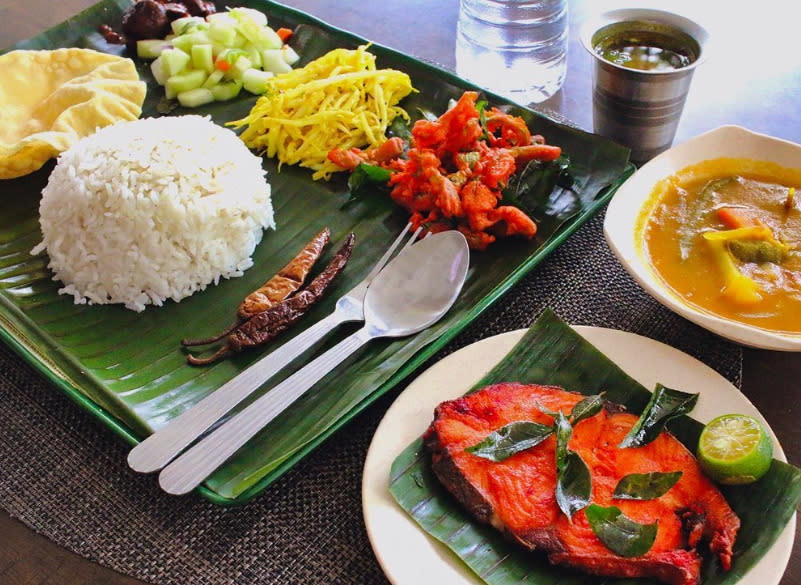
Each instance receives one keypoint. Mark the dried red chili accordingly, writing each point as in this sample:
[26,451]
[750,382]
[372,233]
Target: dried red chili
[280,286]
[267,325]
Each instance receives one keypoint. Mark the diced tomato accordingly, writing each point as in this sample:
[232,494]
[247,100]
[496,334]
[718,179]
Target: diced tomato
[284,34]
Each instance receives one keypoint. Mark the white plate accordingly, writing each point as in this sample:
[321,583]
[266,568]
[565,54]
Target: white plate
[624,210]
[409,556]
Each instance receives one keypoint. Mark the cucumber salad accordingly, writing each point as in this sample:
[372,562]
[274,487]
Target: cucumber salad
[214,58]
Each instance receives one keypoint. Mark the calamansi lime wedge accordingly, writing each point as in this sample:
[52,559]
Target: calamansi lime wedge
[735,449]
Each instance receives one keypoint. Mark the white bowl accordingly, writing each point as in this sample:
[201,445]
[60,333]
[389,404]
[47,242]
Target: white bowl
[624,209]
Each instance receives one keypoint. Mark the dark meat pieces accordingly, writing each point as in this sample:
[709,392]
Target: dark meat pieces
[150,19]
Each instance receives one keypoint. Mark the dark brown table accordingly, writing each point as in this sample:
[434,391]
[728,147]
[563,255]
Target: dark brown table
[753,79]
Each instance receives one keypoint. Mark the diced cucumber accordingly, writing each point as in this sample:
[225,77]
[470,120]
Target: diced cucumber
[200,37]
[256,81]
[186,81]
[195,97]
[217,49]
[254,28]
[266,39]
[221,17]
[187,41]
[239,41]
[157,69]
[239,67]
[202,58]
[290,55]
[189,66]
[225,61]
[254,55]
[183,42]
[223,32]
[174,61]
[227,90]
[273,60]
[213,79]
[241,12]
[272,39]
[151,48]
[187,24]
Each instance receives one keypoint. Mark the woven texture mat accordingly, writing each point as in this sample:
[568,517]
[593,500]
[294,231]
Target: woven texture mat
[65,476]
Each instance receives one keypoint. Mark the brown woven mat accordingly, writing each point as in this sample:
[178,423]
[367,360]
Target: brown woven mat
[64,474]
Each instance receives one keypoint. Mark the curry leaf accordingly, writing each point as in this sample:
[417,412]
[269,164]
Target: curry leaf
[535,186]
[368,173]
[510,439]
[546,410]
[689,230]
[400,128]
[366,180]
[426,114]
[573,485]
[573,481]
[564,431]
[645,486]
[481,106]
[620,534]
[586,408]
[665,404]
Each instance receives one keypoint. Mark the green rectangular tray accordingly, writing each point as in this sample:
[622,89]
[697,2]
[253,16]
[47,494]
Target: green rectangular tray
[127,368]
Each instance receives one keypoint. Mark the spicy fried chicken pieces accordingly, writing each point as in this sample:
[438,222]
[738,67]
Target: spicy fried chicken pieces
[453,174]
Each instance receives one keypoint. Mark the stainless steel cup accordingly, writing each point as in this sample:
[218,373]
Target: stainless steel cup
[636,108]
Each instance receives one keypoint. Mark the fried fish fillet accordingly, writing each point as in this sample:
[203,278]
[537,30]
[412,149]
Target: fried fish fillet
[517,495]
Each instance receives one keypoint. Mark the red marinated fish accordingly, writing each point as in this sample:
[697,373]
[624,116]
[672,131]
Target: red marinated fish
[517,495]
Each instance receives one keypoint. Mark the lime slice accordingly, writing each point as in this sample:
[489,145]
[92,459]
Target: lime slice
[735,449]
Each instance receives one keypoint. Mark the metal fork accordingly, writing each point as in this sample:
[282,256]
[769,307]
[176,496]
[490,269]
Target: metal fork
[162,446]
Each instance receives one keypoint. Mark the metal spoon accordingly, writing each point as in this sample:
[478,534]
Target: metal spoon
[412,293]
[166,443]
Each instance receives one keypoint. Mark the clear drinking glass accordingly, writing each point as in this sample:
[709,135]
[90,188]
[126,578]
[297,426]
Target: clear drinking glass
[515,48]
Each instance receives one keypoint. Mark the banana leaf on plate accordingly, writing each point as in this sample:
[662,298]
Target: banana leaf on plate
[128,369]
[553,353]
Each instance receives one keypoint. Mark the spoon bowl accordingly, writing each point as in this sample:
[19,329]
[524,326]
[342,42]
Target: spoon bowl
[411,293]
[416,289]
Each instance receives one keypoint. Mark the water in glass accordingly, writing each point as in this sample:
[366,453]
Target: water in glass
[516,48]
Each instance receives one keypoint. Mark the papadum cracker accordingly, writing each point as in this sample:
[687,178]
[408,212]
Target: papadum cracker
[50,99]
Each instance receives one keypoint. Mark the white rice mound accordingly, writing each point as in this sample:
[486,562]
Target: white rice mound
[154,209]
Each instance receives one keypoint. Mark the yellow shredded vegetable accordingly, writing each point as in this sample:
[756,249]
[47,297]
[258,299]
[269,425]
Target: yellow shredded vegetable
[337,101]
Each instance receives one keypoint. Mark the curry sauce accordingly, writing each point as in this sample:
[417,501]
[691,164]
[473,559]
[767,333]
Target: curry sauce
[725,235]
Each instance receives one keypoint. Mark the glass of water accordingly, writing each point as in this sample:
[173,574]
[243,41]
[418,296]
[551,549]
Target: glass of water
[515,48]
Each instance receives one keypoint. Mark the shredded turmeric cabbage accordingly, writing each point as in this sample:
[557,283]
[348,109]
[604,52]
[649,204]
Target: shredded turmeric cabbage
[337,101]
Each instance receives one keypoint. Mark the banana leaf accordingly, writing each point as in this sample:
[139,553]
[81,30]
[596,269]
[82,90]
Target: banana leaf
[128,368]
[552,353]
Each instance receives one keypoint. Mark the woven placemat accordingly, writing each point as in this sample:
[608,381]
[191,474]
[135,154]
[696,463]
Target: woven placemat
[64,474]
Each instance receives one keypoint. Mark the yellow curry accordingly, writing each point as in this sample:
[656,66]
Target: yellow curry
[725,235]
